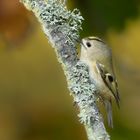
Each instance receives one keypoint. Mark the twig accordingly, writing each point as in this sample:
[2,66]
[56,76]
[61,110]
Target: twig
[62,28]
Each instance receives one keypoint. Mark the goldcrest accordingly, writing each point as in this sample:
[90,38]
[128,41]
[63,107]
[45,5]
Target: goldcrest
[98,56]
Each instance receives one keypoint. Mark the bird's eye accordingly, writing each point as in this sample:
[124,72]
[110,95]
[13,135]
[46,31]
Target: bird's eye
[88,44]
[110,78]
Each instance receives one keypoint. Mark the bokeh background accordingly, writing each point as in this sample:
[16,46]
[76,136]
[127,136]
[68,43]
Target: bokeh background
[34,99]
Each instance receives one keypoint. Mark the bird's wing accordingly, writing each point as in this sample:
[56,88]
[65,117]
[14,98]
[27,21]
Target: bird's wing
[110,81]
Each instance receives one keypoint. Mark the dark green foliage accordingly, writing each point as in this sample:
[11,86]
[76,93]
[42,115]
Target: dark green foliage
[103,14]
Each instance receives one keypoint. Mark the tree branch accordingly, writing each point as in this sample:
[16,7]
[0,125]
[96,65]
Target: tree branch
[62,28]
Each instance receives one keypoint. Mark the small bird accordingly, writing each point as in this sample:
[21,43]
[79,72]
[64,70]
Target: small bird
[98,56]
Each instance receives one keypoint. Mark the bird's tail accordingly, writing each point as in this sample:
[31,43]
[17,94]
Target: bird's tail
[108,106]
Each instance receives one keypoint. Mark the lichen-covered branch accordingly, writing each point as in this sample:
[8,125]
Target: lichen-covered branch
[62,28]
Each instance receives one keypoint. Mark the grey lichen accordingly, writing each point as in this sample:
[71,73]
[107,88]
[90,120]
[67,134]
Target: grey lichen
[62,28]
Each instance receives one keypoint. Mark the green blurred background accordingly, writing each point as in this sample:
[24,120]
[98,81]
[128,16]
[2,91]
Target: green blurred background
[34,100]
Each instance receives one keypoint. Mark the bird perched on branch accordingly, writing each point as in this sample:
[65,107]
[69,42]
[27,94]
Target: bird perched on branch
[97,55]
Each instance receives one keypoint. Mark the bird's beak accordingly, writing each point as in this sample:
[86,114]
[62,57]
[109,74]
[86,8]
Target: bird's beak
[81,43]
